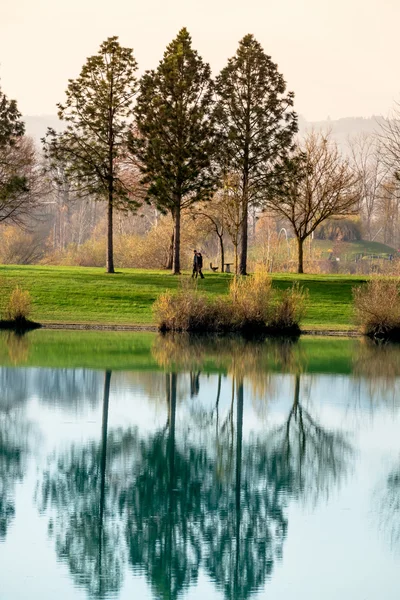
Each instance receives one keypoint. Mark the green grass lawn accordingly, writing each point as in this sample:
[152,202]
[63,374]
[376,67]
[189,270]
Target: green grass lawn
[89,295]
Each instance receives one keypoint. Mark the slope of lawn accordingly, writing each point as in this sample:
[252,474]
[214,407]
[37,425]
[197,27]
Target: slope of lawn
[349,250]
[89,295]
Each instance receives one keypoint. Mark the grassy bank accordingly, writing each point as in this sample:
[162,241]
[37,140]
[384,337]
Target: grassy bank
[89,295]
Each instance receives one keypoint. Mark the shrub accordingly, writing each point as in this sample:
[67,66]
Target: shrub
[18,307]
[180,311]
[249,309]
[250,299]
[289,310]
[185,310]
[377,308]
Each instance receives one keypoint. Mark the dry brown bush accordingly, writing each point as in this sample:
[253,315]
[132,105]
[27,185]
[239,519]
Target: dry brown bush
[289,310]
[377,308]
[249,308]
[250,299]
[150,251]
[21,247]
[18,307]
[185,310]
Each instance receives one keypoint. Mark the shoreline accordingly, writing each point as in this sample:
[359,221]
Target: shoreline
[352,333]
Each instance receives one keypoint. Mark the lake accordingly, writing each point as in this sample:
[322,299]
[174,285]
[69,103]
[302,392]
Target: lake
[135,465]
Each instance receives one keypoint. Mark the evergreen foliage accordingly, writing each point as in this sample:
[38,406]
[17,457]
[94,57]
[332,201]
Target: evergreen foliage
[17,164]
[11,124]
[257,124]
[98,115]
[175,141]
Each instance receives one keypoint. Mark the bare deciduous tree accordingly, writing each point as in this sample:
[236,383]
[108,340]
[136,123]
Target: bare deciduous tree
[388,212]
[390,140]
[369,163]
[313,185]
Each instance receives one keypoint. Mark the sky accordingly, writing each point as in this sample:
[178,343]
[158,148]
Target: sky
[340,57]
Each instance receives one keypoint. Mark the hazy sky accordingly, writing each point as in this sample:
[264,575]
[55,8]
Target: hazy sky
[340,57]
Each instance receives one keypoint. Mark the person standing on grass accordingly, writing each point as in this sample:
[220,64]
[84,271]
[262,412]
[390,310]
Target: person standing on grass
[200,264]
[195,265]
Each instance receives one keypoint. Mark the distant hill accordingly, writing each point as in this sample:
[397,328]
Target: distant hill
[342,129]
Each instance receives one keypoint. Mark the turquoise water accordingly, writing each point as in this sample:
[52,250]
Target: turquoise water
[207,474]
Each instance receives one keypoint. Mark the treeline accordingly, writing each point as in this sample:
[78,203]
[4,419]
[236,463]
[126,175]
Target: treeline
[221,151]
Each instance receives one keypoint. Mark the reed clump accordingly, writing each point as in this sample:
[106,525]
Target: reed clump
[17,311]
[250,308]
[377,309]
[289,311]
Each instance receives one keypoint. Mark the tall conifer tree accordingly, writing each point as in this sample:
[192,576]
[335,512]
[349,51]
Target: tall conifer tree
[98,113]
[20,181]
[175,139]
[257,124]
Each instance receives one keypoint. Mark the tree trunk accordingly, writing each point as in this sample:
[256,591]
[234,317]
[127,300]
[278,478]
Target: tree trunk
[170,259]
[110,245]
[300,268]
[244,237]
[104,430]
[177,239]
[239,437]
[171,435]
[222,252]
[236,259]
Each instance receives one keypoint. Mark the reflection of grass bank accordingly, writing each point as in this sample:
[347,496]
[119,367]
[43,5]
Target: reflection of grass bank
[88,295]
[127,351]
[149,351]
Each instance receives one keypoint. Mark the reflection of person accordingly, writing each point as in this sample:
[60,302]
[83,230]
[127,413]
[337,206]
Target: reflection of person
[200,264]
[195,264]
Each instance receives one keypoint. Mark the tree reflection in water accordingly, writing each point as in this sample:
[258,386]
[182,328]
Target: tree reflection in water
[314,458]
[162,507]
[14,445]
[85,526]
[13,452]
[176,505]
[389,508]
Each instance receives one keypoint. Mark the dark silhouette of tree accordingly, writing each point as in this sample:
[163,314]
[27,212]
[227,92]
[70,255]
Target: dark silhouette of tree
[92,149]
[11,471]
[257,124]
[13,454]
[176,505]
[19,178]
[176,138]
[162,508]
[244,524]
[85,526]
[315,459]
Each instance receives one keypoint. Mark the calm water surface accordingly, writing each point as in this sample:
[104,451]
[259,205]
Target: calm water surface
[137,466]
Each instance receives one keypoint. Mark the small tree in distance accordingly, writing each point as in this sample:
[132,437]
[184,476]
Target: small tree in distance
[176,142]
[311,186]
[92,148]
